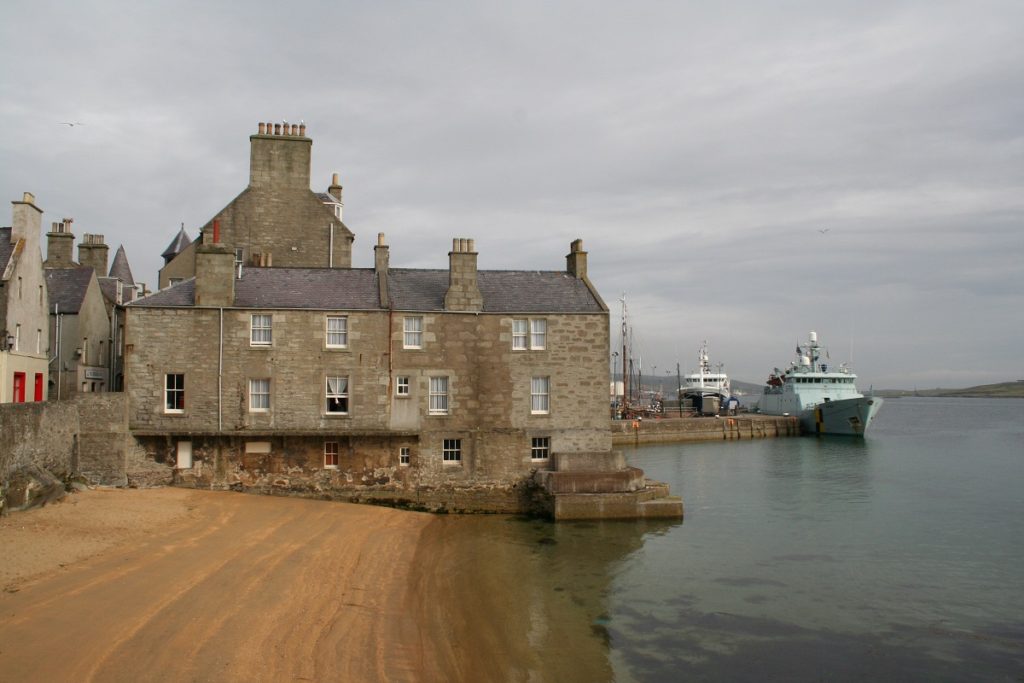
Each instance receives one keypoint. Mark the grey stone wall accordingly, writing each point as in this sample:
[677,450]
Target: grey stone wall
[489,398]
[42,444]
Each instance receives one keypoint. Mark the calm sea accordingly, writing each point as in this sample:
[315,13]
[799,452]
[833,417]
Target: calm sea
[895,557]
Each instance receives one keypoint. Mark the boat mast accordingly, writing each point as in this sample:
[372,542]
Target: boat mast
[625,359]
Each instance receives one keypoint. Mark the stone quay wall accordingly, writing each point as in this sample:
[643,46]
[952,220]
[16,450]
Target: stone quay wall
[681,430]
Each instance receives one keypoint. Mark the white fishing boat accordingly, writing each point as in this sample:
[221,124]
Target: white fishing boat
[704,384]
[825,399]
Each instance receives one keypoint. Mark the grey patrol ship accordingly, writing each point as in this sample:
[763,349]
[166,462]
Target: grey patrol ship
[825,400]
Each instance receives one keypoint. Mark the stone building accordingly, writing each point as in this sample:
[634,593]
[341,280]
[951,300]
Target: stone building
[24,338]
[86,312]
[276,220]
[458,389]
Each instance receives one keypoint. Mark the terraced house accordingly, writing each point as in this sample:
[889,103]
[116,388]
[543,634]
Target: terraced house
[457,388]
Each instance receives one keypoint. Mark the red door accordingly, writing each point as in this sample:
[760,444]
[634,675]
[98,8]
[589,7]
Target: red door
[39,386]
[19,387]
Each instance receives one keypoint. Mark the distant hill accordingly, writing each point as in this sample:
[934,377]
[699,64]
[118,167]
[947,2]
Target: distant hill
[1000,390]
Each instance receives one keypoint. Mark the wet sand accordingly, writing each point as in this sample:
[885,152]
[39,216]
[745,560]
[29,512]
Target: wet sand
[174,584]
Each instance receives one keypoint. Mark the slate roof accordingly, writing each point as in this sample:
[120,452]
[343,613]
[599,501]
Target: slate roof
[503,291]
[120,268]
[5,247]
[66,287]
[108,286]
[178,244]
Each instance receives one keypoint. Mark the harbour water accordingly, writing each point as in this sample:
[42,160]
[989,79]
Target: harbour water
[895,557]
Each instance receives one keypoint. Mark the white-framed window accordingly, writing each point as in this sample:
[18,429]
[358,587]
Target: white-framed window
[529,334]
[260,331]
[412,327]
[337,331]
[438,404]
[402,386]
[337,395]
[330,455]
[520,334]
[404,454]
[451,451]
[538,333]
[171,281]
[174,393]
[540,391]
[39,341]
[239,256]
[259,395]
[540,448]
[17,338]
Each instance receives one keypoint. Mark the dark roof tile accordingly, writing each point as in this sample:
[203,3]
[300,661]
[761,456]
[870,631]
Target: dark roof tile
[353,289]
[67,287]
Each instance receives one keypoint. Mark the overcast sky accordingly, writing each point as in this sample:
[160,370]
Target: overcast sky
[699,149]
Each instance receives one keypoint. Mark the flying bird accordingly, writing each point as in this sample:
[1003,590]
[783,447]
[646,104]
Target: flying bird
[824,230]
[71,123]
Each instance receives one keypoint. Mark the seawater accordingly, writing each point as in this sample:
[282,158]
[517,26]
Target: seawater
[899,556]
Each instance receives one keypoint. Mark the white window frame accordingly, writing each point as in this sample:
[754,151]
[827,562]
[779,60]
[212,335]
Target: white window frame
[437,403]
[403,386]
[538,334]
[520,334]
[259,393]
[176,390]
[529,334]
[331,448]
[337,388]
[339,334]
[261,329]
[451,451]
[540,396]
[412,332]
[540,448]
[404,455]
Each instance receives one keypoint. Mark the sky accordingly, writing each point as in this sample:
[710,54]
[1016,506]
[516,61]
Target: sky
[739,172]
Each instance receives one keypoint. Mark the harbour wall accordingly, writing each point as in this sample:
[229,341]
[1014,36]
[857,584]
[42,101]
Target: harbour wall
[686,429]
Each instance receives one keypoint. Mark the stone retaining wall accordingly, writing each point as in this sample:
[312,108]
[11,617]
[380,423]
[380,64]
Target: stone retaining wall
[678,430]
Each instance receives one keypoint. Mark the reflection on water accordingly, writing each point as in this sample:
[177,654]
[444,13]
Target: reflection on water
[896,557]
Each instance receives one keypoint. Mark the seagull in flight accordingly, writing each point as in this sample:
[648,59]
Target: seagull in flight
[824,230]
[71,123]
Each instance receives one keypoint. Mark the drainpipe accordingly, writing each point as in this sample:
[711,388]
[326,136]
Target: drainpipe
[330,249]
[220,374]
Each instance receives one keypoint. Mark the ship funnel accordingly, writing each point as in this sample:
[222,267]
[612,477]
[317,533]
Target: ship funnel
[814,337]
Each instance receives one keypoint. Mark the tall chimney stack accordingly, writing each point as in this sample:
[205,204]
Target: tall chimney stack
[463,290]
[279,159]
[92,253]
[380,268]
[576,260]
[60,245]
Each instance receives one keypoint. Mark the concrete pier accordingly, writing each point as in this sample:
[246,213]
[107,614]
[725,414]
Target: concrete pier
[686,429]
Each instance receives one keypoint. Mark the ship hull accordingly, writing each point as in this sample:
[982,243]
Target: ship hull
[849,417]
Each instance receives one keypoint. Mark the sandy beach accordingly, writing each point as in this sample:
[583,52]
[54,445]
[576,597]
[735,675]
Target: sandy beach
[176,584]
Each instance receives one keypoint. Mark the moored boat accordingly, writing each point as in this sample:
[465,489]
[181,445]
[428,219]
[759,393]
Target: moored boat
[825,399]
[700,386]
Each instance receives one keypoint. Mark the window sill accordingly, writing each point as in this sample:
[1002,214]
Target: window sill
[330,467]
[336,415]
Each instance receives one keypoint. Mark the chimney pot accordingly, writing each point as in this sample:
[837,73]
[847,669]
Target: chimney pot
[380,239]
[302,129]
[277,129]
[263,128]
[28,198]
[334,179]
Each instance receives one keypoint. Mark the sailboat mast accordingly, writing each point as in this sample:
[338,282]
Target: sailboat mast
[625,358]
